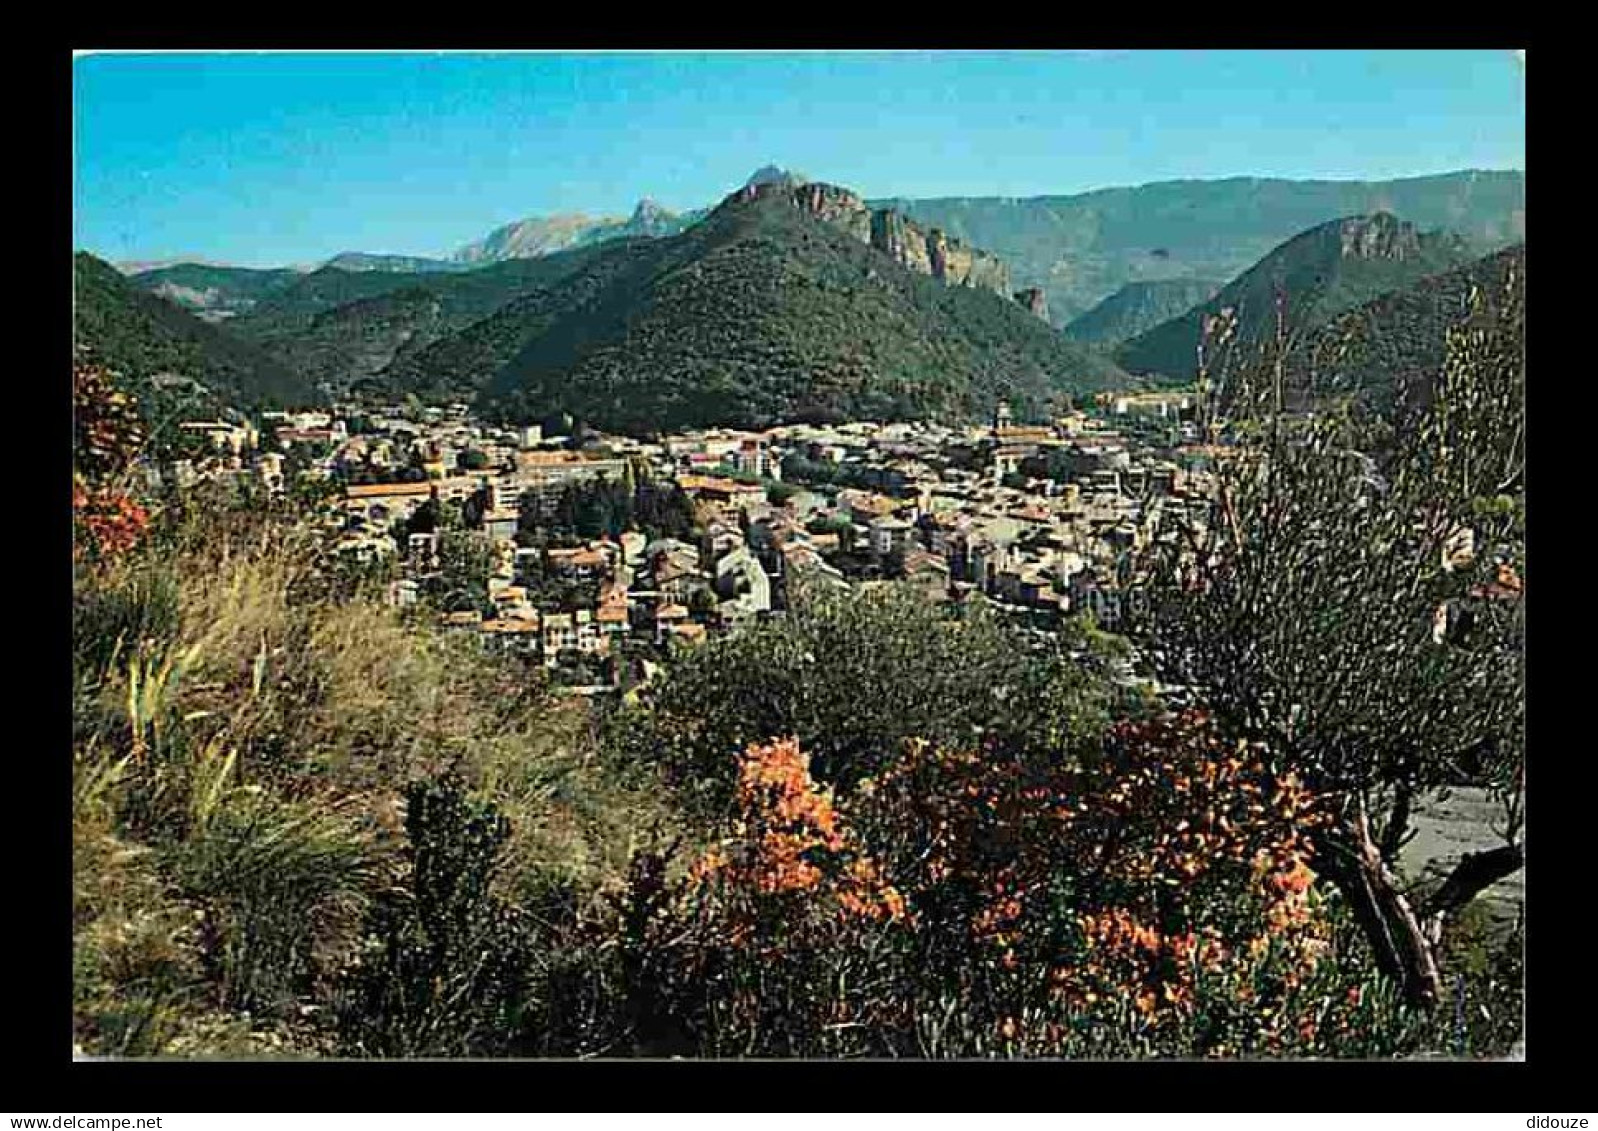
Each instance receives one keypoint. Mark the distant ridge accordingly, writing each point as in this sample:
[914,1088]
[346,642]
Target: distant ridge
[1315,276]
[1137,307]
[1082,248]
[401,264]
[144,336]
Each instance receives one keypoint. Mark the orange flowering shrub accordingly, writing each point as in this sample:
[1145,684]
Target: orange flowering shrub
[1174,868]
[107,436]
[788,840]
[780,941]
[107,521]
[1159,900]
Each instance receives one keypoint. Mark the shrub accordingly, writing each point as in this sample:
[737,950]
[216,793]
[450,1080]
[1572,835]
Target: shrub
[444,969]
[1156,902]
[853,675]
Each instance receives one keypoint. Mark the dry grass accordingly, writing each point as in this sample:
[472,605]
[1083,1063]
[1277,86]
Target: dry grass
[271,720]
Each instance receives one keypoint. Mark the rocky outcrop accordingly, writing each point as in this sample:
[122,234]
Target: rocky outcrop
[929,253]
[1035,301]
[650,219]
[959,265]
[837,206]
[1382,236]
[902,241]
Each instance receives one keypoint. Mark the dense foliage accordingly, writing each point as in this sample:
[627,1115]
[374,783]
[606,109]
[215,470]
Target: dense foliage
[1355,600]
[1137,307]
[761,312]
[1081,248]
[1157,902]
[108,434]
[1386,353]
[349,327]
[1299,286]
[141,334]
[606,508]
[853,675]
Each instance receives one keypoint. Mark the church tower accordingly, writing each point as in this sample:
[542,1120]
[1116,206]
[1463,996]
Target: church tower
[1002,420]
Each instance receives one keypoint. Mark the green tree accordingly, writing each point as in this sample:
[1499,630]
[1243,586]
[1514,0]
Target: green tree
[465,563]
[853,674]
[1305,610]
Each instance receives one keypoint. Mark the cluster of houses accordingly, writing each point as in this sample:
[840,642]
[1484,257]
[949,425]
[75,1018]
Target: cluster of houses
[1043,519]
[951,511]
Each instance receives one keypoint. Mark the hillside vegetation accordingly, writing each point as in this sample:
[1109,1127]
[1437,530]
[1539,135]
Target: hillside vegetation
[1386,352]
[342,327]
[213,291]
[1300,285]
[760,313]
[1084,247]
[1137,307]
[142,335]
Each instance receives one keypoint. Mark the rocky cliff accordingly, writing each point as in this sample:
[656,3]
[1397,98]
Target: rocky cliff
[924,251]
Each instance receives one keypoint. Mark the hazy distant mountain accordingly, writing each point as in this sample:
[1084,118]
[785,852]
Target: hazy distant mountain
[401,264]
[340,327]
[785,302]
[1137,307]
[139,266]
[1314,276]
[213,292]
[535,236]
[146,337]
[1082,248]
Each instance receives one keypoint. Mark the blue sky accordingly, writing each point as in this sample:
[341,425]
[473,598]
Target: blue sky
[266,159]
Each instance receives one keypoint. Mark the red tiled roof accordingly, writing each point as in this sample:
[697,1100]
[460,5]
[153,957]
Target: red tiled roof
[509,627]
[380,490]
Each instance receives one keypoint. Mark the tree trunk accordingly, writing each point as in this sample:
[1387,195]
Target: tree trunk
[1404,950]
[1397,825]
[1474,873]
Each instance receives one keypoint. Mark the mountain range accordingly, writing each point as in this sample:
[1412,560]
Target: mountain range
[1080,249]
[789,300]
[786,302]
[161,347]
[1302,284]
